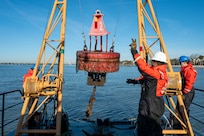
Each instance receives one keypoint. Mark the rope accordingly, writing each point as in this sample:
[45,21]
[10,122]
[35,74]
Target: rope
[48,14]
[201,90]
[155,10]
[80,7]
[90,104]
[197,119]
[116,27]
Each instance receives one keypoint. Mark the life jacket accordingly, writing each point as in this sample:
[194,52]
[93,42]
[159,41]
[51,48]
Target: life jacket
[159,73]
[188,75]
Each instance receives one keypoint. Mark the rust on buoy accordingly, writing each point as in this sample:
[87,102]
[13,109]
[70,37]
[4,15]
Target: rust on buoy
[102,62]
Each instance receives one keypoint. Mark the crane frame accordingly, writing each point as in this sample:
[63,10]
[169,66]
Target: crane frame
[45,83]
[48,75]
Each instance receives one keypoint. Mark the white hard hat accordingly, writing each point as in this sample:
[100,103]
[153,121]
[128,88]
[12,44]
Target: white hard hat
[159,56]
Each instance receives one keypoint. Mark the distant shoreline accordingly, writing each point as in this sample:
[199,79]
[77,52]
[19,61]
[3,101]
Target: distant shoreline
[196,66]
[28,64]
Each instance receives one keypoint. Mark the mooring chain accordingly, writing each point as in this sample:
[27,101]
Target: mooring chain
[90,105]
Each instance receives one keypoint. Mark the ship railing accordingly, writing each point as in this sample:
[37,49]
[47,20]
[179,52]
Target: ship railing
[199,106]
[4,101]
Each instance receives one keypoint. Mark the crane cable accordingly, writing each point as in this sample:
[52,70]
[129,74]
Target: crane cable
[155,11]
[47,20]
[116,27]
[80,7]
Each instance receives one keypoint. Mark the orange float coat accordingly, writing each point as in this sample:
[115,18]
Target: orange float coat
[158,72]
[188,74]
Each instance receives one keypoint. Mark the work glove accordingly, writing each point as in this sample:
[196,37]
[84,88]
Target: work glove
[132,81]
[133,47]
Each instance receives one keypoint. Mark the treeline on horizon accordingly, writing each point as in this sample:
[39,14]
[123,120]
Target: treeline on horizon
[195,59]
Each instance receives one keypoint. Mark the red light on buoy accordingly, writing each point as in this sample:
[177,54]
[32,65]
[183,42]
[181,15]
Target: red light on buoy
[98,27]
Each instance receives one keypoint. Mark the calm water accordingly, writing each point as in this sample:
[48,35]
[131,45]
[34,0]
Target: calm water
[115,100]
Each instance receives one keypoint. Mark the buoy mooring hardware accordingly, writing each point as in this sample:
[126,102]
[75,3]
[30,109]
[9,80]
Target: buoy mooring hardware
[97,62]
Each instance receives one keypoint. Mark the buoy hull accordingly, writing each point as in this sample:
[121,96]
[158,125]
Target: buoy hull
[98,62]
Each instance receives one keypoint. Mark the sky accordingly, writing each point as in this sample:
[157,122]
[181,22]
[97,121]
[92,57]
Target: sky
[23,22]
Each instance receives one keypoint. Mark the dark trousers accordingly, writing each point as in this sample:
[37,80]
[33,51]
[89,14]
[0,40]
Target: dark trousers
[148,127]
[187,100]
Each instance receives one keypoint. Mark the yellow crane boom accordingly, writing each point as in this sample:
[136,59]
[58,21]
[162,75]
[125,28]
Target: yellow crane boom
[48,75]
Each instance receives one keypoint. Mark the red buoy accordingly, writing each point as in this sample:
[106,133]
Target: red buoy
[98,62]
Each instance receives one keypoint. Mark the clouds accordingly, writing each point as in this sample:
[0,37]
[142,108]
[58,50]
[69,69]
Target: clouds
[27,12]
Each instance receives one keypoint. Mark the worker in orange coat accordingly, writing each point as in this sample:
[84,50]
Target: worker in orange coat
[153,82]
[188,76]
[28,74]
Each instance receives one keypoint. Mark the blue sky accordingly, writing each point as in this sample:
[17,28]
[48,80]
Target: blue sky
[23,22]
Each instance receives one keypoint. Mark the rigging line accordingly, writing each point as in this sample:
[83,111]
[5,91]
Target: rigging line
[116,27]
[155,10]
[80,8]
[48,15]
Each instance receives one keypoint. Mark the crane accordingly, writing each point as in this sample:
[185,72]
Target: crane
[148,42]
[45,85]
